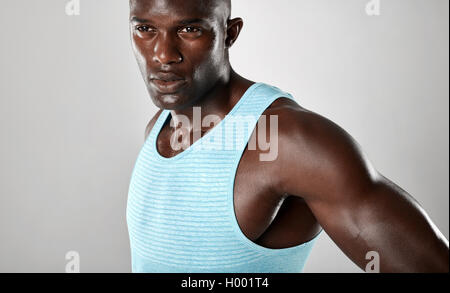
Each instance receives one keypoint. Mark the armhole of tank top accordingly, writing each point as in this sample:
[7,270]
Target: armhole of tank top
[235,225]
[156,129]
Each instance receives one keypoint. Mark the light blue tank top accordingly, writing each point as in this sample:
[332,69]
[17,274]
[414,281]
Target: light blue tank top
[180,211]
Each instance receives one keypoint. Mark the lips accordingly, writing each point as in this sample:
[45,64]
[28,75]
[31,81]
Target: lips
[167,82]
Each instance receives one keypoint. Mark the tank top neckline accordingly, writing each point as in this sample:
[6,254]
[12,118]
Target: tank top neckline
[164,116]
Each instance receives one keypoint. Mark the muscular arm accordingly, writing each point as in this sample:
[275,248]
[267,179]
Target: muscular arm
[358,208]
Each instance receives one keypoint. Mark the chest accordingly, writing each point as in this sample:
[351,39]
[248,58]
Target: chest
[215,194]
[263,215]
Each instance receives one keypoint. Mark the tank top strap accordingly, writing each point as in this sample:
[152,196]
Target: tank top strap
[262,96]
[160,121]
[244,119]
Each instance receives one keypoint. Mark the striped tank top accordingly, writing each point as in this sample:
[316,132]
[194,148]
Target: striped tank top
[180,210]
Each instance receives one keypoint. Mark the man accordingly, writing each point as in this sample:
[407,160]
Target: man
[193,207]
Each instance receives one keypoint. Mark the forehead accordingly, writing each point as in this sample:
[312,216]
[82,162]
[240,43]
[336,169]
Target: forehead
[204,9]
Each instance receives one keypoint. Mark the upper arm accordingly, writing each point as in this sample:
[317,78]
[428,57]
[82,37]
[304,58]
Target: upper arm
[358,208]
[150,125]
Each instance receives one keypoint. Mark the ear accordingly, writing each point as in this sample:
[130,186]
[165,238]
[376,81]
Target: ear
[234,27]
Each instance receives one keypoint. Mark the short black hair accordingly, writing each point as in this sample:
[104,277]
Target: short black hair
[227,10]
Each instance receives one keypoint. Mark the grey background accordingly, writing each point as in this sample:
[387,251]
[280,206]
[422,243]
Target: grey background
[73,110]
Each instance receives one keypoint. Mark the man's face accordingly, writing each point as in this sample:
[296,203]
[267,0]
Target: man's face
[180,48]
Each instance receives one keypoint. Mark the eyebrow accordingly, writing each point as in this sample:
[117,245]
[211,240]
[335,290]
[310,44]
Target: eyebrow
[182,22]
[191,21]
[140,20]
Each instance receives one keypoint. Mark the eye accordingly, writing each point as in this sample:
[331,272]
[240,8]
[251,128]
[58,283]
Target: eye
[144,28]
[190,29]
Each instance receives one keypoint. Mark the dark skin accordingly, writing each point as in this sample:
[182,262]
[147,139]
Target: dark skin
[320,179]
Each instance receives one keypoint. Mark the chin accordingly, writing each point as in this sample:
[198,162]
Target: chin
[168,101]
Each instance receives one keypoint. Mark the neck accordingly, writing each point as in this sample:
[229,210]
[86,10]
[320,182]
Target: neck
[218,101]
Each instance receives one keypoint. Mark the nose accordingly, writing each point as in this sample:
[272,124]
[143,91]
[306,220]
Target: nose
[165,51]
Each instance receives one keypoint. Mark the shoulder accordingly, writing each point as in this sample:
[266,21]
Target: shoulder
[152,122]
[299,125]
[316,156]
